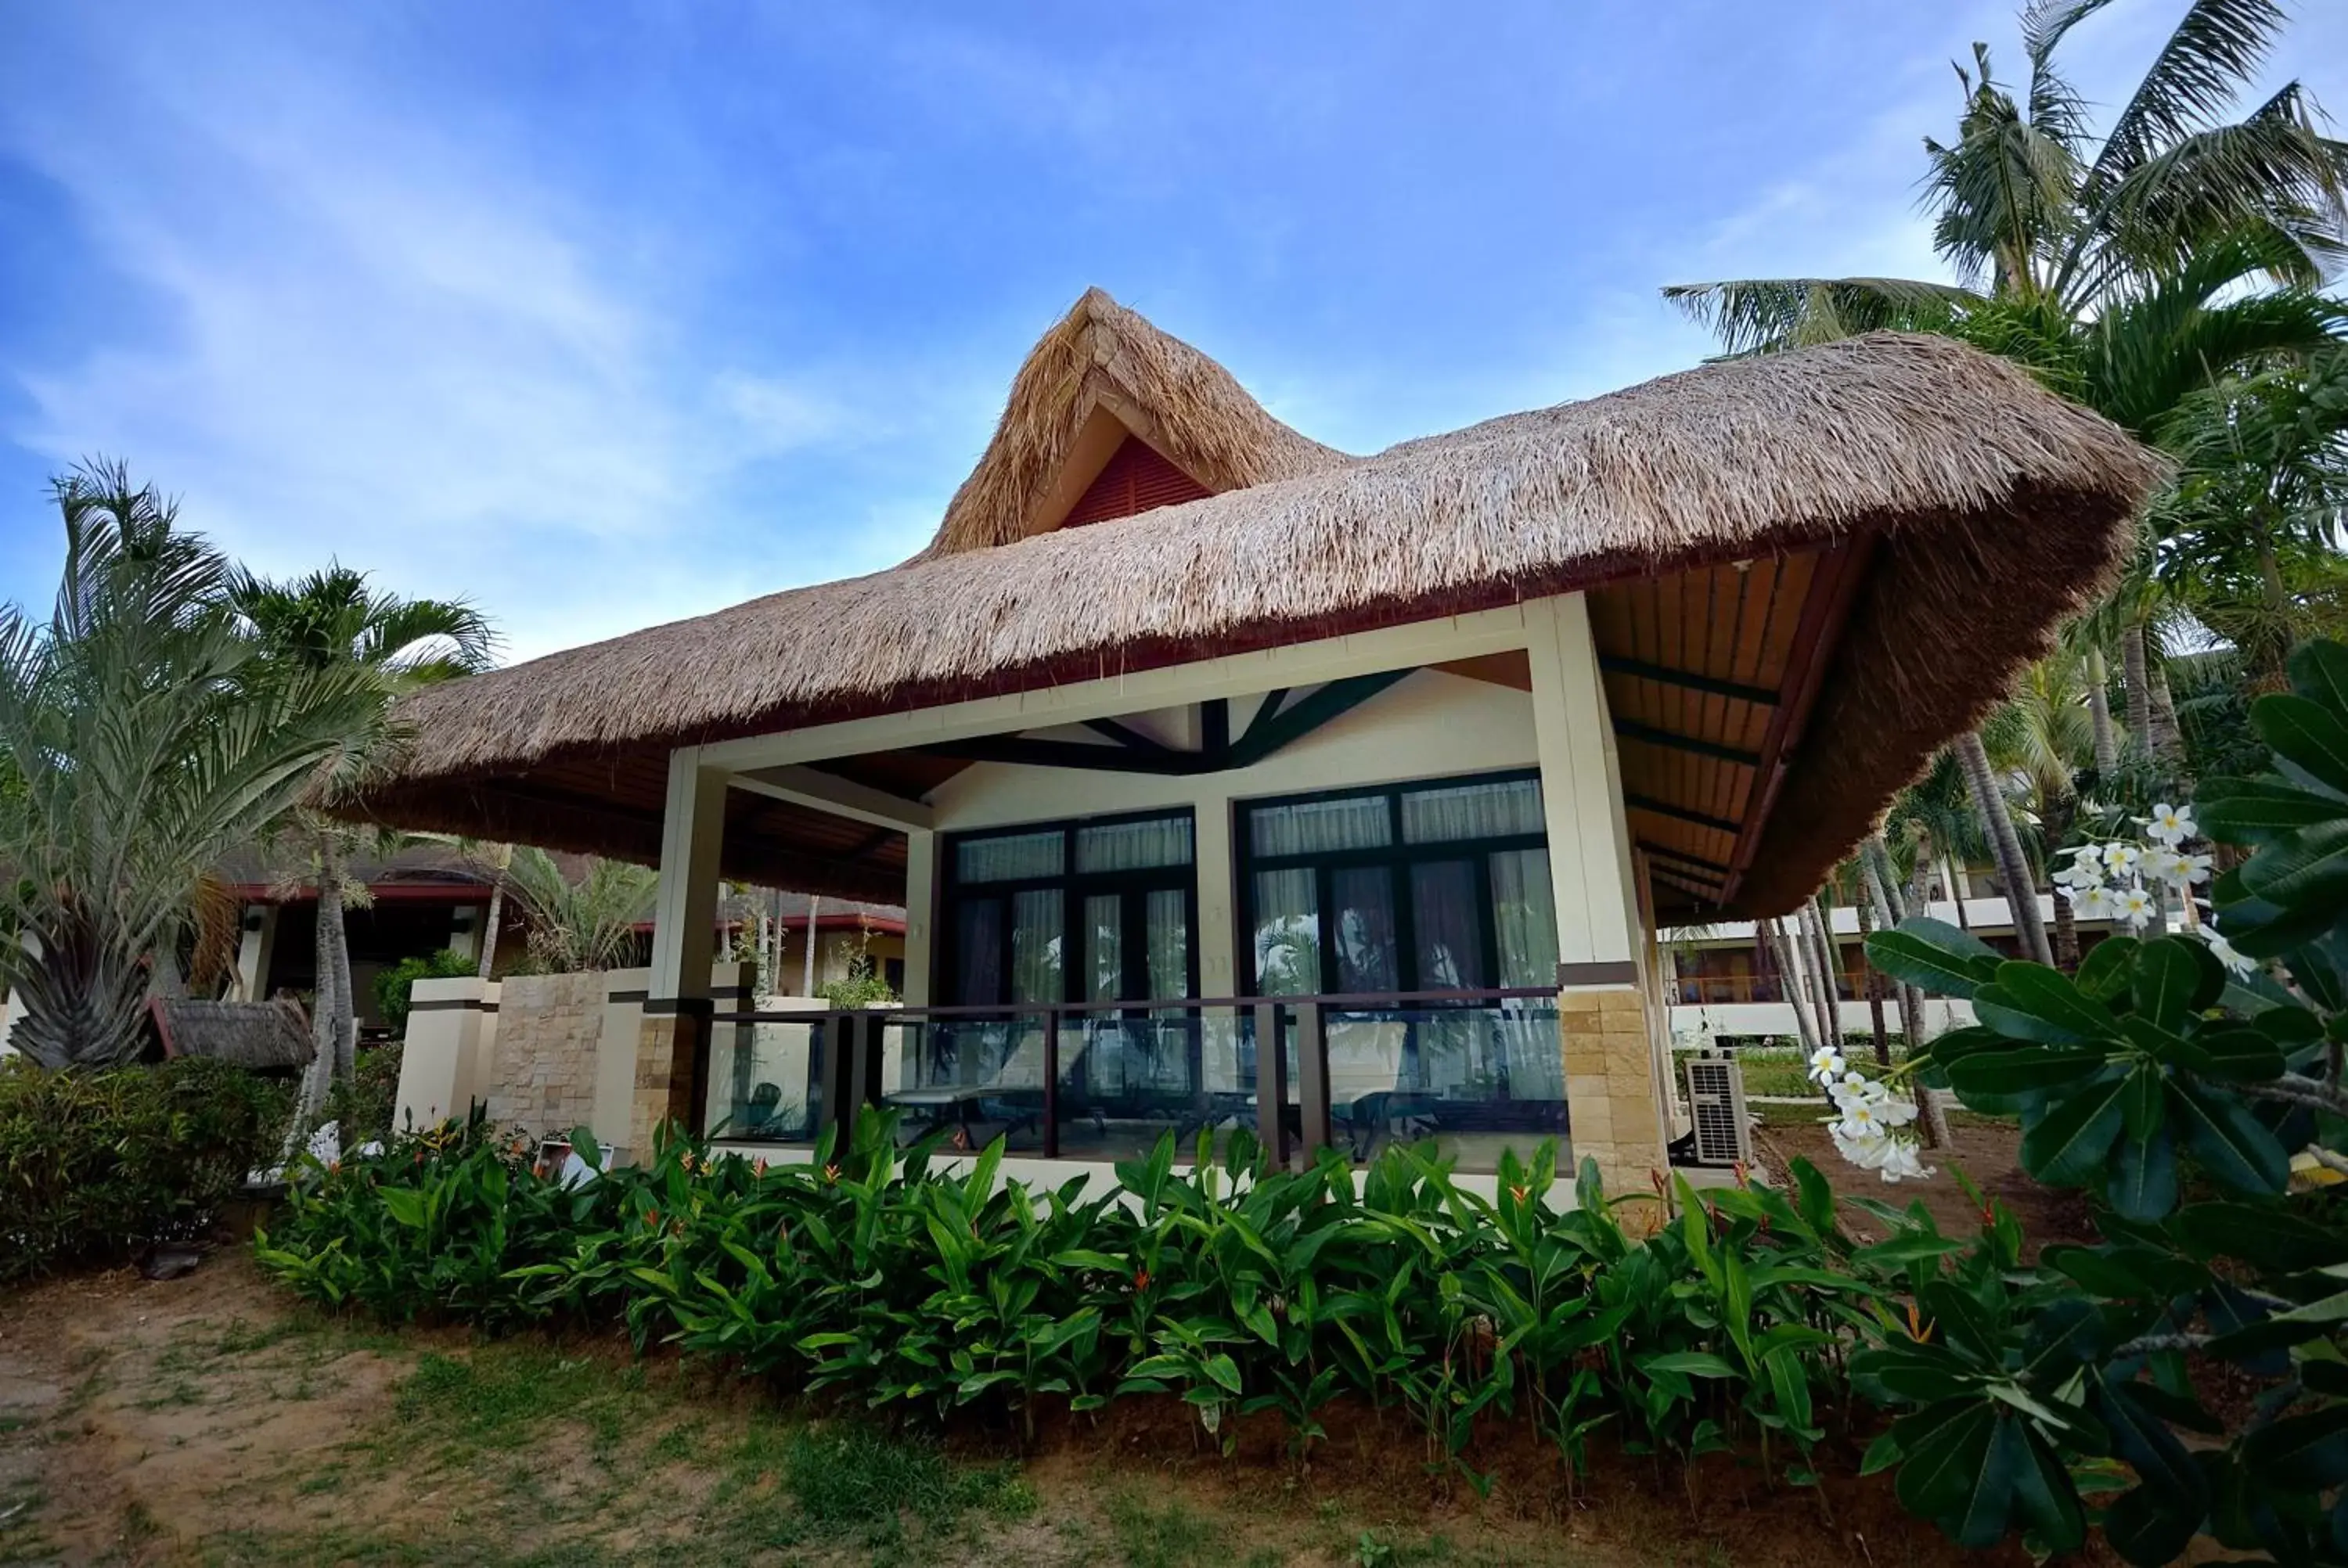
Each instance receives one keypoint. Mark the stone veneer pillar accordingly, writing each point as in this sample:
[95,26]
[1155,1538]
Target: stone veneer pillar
[1612,1106]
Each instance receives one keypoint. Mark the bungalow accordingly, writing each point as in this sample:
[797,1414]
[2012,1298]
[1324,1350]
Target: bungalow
[1229,779]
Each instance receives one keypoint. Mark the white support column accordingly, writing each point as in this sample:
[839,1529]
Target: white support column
[1606,1012]
[920,913]
[676,1031]
[684,908]
[256,945]
[1589,839]
[1219,967]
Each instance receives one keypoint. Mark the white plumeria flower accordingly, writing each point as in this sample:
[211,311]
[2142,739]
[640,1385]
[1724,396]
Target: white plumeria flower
[2093,904]
[1901,1165]
[2171,824]
[1896,1112]
[1861,1124]
[2135,907]
[2226,953]
[1826,1062]
[2121,859]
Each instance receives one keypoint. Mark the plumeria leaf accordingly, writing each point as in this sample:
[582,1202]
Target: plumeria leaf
[2302,731]
[2233,1145]
[2034,1002]
[1933,956]
[2238,1054]
[2143,1184]
[2319,673]
[2176,978]
[2106,973]
[2067,1146]
[2307,867]
[2260,811]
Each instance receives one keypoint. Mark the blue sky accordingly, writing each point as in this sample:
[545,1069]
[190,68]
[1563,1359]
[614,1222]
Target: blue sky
[600,315]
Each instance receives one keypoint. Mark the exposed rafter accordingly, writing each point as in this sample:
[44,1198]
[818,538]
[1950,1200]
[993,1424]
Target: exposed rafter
[1277,725]
[1679,814]
[1639,669]
[1630,730]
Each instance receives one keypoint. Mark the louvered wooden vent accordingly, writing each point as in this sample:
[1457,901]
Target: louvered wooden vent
[1136,479]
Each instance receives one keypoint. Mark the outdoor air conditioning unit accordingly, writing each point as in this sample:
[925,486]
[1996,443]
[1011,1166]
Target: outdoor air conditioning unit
[1716,1105]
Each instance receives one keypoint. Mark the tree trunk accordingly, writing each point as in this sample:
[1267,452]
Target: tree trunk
[1931,1115]
[1789,983]
[489,924]
[2168,735]
[1821,962]
[334,938]
[328,1005]
[807,962]
[1874,981]
[2013,867]
[2139,697]
[2099,710]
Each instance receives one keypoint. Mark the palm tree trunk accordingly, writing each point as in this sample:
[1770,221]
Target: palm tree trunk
[1930,1114]
[2099,710]
[2168,736]
[807,964]
[1874,985]
[489,924]
[1821,963]
[334,949]
[1789,983]
[1997,826]
[2139,698]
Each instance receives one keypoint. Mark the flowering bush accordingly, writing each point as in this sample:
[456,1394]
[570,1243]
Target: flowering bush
[1871,1123]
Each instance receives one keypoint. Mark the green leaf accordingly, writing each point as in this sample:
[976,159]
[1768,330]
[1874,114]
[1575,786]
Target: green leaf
[2143,1184]
[2264,812]
[2319,673]
[2151,1526]
[2106,972]
[1691,1363]
[2031,1070]
[2232,1145]
[2030,1001]
[2124,1273]
[2067,1146]
[2303,731]
[1933,956]
[2175,978]
[2308,867]
[2238,1054]
[1946,1445]
[2306,1451]
[2261,1235]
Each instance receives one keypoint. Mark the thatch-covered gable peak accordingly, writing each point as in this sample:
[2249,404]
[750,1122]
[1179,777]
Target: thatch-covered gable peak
[1103,376]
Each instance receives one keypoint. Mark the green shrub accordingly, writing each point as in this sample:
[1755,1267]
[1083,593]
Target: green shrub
[873,1277]
[95,1166]
[394,985]
[364,1103]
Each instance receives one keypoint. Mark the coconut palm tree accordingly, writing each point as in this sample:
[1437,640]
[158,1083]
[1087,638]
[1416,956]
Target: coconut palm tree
[147,735]
[332,619]
[2118,270]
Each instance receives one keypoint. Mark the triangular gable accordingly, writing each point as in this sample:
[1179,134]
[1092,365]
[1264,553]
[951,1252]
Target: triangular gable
[1103,378]
[1136,478]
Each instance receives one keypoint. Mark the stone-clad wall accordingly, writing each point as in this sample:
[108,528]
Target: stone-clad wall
[547,1030]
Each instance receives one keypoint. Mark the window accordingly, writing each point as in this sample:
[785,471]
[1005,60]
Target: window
[1100,910]
[1418,887]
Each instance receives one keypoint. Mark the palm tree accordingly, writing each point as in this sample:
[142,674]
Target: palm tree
[332,620]
[2048,737]
[2115,269]
[585,924]
[147,735]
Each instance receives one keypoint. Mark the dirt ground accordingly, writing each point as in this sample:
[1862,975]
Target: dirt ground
[210,1420]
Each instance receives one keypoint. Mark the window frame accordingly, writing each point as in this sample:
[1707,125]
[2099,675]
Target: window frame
[1074,887]
[1397,857]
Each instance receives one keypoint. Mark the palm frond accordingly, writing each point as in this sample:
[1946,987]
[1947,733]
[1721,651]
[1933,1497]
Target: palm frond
[1756,315]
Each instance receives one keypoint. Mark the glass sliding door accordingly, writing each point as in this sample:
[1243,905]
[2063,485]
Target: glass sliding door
[1406,889]
[1099,916]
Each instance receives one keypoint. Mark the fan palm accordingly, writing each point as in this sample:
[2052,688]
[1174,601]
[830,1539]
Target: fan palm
[147,735]
[327,620]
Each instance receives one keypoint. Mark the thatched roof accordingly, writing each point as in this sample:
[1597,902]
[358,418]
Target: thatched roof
[1991,510]
[260,1036]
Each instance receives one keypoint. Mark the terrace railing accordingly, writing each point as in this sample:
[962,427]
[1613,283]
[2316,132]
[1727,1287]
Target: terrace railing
[1476,1070]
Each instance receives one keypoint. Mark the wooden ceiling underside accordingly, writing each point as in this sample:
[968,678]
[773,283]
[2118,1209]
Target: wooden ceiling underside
[1708,675]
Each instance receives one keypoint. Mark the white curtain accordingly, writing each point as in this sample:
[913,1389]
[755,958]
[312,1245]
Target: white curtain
[1318,826]
[1011,857]
[1134,845]
[1505,809]
[1524,918]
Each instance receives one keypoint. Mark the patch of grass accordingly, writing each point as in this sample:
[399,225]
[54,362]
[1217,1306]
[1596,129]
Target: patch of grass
[1167,1537]
[851,1475]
